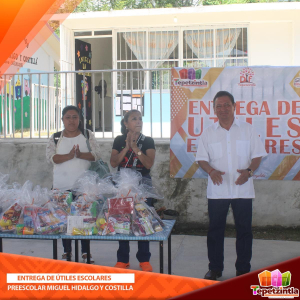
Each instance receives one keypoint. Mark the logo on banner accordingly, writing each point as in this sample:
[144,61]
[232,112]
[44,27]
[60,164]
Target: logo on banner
[297,82]
[246,77]
[190,78]
[274,285]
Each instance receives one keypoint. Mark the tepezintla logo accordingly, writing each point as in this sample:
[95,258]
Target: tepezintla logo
[246,77]
[275,285]
[190,78]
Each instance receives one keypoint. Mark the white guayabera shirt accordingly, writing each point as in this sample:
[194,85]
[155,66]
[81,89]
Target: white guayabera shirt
[227,151]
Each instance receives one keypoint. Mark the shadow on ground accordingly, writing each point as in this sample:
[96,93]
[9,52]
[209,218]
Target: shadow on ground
[264,233]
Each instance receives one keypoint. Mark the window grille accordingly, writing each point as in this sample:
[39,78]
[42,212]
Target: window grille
[161,48]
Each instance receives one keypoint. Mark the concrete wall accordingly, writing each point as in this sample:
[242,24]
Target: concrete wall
[276,204]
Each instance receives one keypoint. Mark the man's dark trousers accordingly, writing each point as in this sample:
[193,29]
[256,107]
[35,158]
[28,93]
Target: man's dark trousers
[242,212]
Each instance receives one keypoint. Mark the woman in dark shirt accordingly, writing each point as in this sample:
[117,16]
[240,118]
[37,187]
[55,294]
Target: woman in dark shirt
[133,150]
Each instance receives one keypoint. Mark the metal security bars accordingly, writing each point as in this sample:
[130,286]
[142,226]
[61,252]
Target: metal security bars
[191,47]
[215,47]
[30,109]
[31,103]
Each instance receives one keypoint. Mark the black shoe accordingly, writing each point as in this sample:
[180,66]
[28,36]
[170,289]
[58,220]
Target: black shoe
[213,275]
[239,273]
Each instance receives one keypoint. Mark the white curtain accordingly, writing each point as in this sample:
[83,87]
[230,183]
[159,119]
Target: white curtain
[160,46]
[67,63]
[202,42]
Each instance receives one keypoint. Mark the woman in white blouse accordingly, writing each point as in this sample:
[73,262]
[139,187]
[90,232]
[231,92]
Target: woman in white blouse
[70,157]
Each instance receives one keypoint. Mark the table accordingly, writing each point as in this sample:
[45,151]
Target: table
[54,238]
[156,237]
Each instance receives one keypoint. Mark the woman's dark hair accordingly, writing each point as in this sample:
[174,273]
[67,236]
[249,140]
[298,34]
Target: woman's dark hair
[72,107]
[125,119]
[221,94]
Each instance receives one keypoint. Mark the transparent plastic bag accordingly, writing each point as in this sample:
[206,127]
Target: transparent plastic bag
[146,221]
[127,182]
[10,217]
[28,219]
[84,206]
[50,219]
[131,183]
[140,219]
[116,216]
[86,185]
[94,187]
[3,180]
[34,215]
[11,207]
[83,214]
[62,199]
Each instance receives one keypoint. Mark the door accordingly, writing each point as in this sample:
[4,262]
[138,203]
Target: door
[83,57]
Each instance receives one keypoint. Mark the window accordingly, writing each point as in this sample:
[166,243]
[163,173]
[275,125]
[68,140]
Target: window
[163,53]
[147,49]
[131,55]
[215,47]
[161,48]
[103,32]
[198,50]
[83,33]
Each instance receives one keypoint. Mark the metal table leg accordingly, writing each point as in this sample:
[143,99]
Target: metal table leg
[161,256]
[55,249]
[169,255]
[76,250]
[88,252]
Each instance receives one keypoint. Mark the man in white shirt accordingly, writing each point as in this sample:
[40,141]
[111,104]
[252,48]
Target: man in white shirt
[229,151]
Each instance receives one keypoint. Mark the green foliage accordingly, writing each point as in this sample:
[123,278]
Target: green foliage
[57,31]
[56,78]
[106,5]
[223,2]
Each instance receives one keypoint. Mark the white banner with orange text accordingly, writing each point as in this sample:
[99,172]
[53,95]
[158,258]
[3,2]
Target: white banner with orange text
[266,97]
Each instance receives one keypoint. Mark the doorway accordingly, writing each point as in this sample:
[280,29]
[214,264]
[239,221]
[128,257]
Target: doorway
[101,47]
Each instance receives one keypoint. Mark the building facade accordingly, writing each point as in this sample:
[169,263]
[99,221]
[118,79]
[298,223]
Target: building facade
[204,36]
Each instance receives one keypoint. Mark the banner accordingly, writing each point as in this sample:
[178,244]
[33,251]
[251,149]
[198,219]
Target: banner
[266,97]
[24,277]
[279,281]
[27,22]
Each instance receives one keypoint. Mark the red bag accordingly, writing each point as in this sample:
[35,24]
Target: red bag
[117,206]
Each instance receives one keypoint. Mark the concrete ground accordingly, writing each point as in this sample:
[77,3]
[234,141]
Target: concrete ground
[189,253]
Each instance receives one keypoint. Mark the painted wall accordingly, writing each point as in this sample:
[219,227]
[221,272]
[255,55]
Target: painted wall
[43,60]
[157,125]
[276,203]
[274,28]
[273,36]
[271,44]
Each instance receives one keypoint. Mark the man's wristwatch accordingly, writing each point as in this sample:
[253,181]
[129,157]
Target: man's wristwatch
[139,153]
[250,172]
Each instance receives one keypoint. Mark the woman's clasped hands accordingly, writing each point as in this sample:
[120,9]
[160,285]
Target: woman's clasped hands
[131,140]
[75,152]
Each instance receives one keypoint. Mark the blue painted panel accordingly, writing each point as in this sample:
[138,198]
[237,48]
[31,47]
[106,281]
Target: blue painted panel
[155,108]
